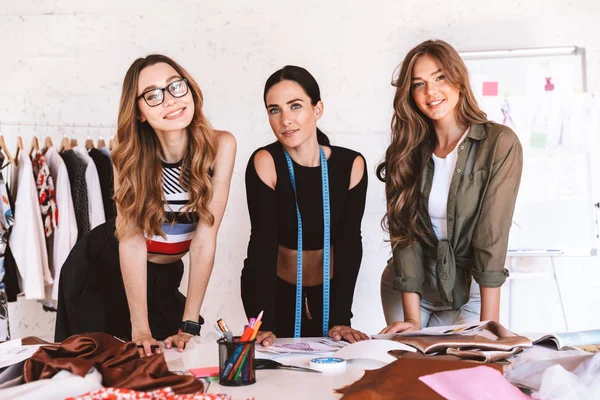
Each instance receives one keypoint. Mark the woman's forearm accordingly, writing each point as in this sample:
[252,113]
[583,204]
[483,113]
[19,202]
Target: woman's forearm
[411,305]
[201,265]
[490,304]
[133,256]
[204,242]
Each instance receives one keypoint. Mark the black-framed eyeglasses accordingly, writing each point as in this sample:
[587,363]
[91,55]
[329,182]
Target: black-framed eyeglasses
[155,97]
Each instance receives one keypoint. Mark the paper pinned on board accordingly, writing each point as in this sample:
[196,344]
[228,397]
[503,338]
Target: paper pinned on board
[490,89]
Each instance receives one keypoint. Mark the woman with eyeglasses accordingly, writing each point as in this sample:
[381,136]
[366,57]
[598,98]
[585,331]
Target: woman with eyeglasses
[172,177]
[306,199]
[451,179]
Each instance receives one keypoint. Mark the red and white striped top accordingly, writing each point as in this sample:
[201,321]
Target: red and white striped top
[179,228]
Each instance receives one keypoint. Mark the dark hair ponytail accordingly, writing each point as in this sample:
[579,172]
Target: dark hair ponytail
[322,138]
[308,83]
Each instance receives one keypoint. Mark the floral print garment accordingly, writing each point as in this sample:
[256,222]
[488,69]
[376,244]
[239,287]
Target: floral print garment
[167,393]
[6,221]
[46,193]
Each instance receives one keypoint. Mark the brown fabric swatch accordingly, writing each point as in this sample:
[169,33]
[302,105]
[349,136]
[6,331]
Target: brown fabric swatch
[492,342]
[118,362]
[447,357]
[400,380]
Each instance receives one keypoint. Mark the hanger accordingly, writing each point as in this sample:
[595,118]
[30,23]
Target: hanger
[4,149]
[65,143]
[111,144]
[47,141]
[89,143]
[101,142]
[35,145]
[73,138]
[19,145]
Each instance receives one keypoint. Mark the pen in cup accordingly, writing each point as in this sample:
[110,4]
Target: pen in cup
[222,326]
[219,331]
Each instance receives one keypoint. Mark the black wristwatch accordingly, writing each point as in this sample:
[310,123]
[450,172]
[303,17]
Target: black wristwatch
[191,327]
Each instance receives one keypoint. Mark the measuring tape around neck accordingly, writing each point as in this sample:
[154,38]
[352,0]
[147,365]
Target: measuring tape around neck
[326,245]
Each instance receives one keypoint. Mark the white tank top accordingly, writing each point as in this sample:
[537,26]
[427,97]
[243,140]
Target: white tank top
[440,187]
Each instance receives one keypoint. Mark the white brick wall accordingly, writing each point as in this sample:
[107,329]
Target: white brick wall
[63,62]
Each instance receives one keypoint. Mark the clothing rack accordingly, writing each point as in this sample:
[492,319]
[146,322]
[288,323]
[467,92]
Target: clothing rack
[68,131]
[64,125]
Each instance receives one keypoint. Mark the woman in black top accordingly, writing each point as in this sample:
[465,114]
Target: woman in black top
[269,276]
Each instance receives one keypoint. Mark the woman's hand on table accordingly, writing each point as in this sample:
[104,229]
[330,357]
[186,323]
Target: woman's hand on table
[340,332]
[179,340]
[266,338]
[146,344]
[402,326]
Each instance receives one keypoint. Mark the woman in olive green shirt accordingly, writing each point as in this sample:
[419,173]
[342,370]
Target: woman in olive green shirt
[452,179]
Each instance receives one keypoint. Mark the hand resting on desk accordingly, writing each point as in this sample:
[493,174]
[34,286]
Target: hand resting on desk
[338,332]
[146,344]
[180,340]
[402,326]
[266,338]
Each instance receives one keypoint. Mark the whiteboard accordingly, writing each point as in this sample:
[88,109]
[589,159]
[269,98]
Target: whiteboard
[542,99]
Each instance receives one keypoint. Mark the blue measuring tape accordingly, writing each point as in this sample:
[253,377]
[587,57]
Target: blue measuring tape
[326,245]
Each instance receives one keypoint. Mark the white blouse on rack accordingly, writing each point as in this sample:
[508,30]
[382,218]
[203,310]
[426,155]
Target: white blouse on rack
[27,240]
[65,235]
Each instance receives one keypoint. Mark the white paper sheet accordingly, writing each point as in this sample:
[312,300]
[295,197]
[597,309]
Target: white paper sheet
[12,352]
[372,350]
[308,346]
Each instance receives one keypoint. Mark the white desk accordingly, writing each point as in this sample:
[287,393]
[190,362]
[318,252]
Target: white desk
[270,384]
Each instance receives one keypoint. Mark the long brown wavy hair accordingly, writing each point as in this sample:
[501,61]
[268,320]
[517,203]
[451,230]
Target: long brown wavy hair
[137,160]
[413,141]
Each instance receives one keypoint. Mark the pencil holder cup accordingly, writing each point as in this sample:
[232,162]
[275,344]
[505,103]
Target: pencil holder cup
[236,362]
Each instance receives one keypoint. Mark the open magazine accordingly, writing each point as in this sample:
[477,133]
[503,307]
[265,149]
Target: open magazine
[583,340]
[467,329]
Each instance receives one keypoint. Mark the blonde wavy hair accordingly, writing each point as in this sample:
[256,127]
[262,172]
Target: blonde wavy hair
[137,160]
[413,141]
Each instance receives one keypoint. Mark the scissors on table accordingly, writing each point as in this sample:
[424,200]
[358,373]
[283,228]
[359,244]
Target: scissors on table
[263,363]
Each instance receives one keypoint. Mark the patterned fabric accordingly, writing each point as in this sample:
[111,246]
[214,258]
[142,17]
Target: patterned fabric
[179,229]
[6,215]
[6,221]
[110,393]
[47,195]
[7,261]
[76,170]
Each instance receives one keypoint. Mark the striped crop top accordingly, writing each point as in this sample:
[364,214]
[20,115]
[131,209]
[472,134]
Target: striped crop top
[178,229]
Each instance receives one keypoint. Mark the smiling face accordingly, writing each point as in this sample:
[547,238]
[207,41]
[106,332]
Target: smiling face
[174,114]
[434,95]
[291,115]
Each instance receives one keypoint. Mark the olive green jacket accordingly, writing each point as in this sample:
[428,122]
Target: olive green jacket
[481,203]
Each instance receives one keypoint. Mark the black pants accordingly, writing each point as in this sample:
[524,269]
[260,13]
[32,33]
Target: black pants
[285,305]
[91,295]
